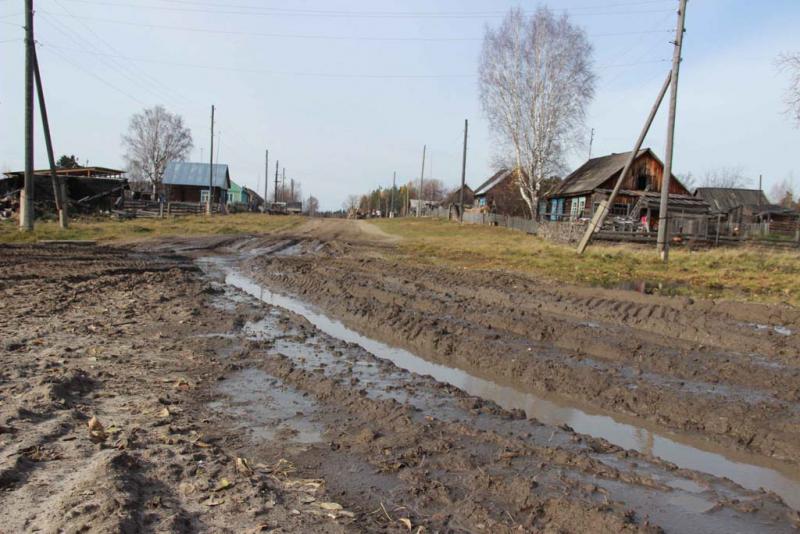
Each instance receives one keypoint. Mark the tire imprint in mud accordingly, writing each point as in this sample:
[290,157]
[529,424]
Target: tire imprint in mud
[512,328]
[425,432]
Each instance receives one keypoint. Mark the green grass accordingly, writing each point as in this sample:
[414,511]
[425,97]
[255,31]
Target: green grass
[111,230]
[750,274]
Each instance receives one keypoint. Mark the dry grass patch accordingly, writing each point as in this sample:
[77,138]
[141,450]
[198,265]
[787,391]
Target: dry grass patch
[112,230]
[743,273]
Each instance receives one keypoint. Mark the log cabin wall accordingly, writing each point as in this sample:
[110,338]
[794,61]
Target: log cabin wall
[646,174]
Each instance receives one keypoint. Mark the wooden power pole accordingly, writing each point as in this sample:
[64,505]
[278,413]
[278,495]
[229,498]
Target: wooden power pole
[663,215]
[26,195]
[58,187]
[266,179]
[211,165]
[391,196]
[602,210]
[421,175]
[463,174]
[275,191]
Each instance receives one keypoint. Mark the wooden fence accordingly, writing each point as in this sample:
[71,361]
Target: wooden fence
[151,209]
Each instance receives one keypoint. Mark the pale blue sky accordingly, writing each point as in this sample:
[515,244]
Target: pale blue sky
[342,110]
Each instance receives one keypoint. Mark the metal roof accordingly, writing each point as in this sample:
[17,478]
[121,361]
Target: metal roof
[190,173]
[724,199]
[92,172]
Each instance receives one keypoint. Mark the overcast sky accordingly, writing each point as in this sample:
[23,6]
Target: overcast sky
[343,93]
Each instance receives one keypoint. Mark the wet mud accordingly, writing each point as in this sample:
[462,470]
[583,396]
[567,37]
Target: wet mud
[229,407]
[721,371]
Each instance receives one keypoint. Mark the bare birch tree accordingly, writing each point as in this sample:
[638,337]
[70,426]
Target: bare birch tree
[536,82]
[791,64]
[155,137]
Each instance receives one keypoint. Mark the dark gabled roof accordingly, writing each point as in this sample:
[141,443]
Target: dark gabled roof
[675,202]
[455,196]
[497,178]
[594,173]
[196,174]
[724,199]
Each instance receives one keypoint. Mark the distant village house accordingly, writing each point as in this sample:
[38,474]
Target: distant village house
[186,181]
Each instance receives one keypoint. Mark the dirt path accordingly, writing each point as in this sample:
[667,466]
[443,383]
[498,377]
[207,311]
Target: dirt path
[222,413]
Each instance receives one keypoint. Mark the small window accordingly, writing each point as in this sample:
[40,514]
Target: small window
[620,210]
[642,182]
[204,196]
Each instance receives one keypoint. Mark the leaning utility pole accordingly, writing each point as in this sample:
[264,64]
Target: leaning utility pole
[211,165]
[275,192]
[602,210]
[421,175]
[266,179]
[26,195]
[463,175]
[663,217]
[58,186]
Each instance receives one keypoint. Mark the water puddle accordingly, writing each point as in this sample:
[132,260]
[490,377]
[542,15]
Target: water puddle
[746,470]
[268,409]
[778,329]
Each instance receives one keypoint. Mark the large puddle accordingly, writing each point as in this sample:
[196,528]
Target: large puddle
[747,470]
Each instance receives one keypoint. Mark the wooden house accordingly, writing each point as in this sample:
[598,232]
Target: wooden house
[87,188]
[186,181]
[579,194]
[500,194]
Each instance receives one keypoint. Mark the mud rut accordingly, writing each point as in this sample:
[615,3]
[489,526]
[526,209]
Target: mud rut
[335,439]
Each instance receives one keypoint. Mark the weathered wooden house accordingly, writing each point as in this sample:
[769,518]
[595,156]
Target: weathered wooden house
[186,181]
[579,194]
[500,194]
[734,205]
[87,188]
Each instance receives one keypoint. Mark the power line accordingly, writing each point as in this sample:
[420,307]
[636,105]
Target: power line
[267,72]
[266,11]
[318,36]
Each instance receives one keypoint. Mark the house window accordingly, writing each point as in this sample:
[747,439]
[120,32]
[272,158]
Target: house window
[204,196]
[642,182]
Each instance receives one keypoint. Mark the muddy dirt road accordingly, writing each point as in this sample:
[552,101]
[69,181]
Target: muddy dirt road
[228,407]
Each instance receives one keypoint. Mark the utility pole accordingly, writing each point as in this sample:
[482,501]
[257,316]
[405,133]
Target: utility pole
[211,165]
[58,189]
[26,195]
[602,209]
[463,174]
[266,179]
[283,184]
[591,142]
[275,193]
[421,175]
[391,195]
[663,217]
[291,196]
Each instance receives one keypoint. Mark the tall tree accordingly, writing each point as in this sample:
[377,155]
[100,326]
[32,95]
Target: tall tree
[312,206]
[155,137]
[67,162]
[536,81]
[791,64]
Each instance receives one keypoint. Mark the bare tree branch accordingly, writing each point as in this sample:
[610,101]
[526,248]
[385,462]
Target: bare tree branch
[155,137]
[791,64]
[536,82]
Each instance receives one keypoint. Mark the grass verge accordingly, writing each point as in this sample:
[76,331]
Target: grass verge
[746,273]
[112,230]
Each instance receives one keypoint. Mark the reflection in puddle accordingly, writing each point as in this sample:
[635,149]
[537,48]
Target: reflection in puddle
[268,408]
[743,471]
